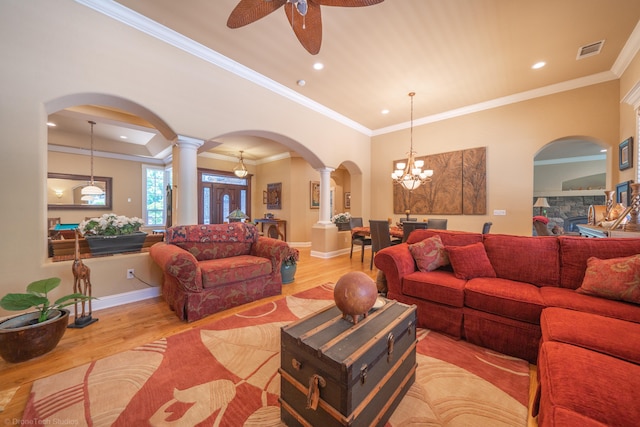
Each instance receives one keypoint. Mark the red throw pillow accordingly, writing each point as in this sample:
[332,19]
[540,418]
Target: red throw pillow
[470,261]
[613,278]
[429,254]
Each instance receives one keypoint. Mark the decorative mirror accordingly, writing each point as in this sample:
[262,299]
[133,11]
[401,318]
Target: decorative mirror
[64,192]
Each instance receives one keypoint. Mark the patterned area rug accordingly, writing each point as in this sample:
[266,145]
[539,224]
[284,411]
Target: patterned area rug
[225,374]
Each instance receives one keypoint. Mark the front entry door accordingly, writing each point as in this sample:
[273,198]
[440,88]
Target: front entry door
[218,199]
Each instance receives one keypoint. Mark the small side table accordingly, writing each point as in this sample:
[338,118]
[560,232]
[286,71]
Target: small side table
[280,226]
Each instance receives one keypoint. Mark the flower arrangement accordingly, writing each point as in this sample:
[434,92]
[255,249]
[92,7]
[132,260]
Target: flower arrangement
[110,225]
[341,217]
[292,257]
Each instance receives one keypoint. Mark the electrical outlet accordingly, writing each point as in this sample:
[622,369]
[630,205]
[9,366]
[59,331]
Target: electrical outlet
[130,273]
[499,212]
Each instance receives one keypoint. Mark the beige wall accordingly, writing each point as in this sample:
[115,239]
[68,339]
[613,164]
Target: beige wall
[127,184]
[513,135]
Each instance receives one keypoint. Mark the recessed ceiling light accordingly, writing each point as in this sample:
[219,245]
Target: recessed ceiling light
[318,66]
[123,137]
[301,82]
[538,65]
[385,111]
[604,150]
[51,124]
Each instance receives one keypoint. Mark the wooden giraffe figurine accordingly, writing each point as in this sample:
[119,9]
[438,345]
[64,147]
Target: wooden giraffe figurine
[81,280]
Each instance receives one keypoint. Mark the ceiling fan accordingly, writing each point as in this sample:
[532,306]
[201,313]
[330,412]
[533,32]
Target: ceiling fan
[303,15]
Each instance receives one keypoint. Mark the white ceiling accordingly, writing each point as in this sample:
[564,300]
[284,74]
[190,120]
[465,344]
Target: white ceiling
[457,55]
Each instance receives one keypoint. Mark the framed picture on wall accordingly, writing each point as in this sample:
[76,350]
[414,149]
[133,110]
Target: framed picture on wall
[314,195]
[274,196]
[347,200]
[623,193]
[625,154]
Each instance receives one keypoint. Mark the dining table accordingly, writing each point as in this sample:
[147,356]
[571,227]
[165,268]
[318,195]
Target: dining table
[394,231]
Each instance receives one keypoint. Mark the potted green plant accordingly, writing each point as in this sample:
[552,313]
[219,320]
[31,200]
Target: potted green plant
[28,335]
[289,265]
[112,234]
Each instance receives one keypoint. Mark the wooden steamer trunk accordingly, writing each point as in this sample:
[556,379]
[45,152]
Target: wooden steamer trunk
[354,375]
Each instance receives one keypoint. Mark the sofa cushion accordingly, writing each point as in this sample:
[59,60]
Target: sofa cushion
[569,298]
[429,254]
[613,278]
[524,259]
[507,336]
[448,237]
[214,241]
[600,387]
[470,261]
[508,298]
[593,332]
[575,251]
[437,286]
[217,272]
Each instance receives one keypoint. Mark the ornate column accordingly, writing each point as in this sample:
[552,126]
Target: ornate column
[187,180]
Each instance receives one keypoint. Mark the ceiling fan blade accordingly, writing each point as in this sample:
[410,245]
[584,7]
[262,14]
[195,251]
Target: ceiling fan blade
[347,3]
[310,36]
[248,11]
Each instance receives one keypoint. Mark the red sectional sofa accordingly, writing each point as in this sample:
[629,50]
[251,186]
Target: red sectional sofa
[527,297]
[210,268]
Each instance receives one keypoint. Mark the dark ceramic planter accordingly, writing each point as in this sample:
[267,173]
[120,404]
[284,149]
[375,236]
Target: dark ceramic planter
[106,245]
[21,341]
[343,226]
[288,272]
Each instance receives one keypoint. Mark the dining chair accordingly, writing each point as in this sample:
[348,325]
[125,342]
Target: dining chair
[380,237]
[402,220]
[437,223]
[358,238]
[409,226]
[486,227]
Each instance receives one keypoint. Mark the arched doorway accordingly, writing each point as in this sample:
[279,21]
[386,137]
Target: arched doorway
[570,174]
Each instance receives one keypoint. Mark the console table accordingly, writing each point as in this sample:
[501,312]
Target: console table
[280,226]
[593,231]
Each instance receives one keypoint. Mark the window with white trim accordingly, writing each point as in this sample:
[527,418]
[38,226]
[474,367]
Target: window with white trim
[155,180]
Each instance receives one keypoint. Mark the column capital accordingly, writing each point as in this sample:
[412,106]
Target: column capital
[188,142]
[326,169]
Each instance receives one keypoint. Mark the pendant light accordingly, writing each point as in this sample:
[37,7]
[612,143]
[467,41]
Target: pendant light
[410,175]
[91,189]
[240,170]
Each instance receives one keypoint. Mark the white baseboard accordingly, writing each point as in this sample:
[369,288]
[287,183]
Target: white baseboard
[125,298]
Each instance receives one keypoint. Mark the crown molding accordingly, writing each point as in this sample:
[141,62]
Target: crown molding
[158,31]
[505,100]
[104,154]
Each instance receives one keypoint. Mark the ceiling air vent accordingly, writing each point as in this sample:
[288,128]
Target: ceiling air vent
[590,49]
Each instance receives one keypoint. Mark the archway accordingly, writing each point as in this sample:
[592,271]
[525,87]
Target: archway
[570,173]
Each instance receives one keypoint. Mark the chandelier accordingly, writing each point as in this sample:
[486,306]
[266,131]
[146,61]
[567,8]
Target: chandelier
[240,170]
[410,175]
[92,189]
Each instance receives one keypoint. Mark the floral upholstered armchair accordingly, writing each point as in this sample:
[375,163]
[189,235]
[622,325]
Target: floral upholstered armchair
[210,268]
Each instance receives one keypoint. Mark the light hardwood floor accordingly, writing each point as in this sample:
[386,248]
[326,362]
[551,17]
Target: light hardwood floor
[128,326]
